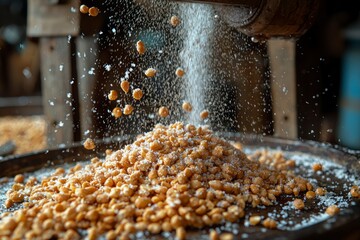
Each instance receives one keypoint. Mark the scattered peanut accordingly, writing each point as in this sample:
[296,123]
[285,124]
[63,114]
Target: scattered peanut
[113,95]
[140,47]
[355,191]
[317,167]
[150,72]
[125,86]
[299,204]
[89,144]
[137,94]
[84,9]
[8,203]
[237,145]
[175,21]
[204,114]
[226,236]
[254,220]
[117,112]
[187,106]
[19,178]
[310,195]
[128,109]
[332,210]
[93,11]
[179,72]
[269,223]
[213,235]
[163,111]
[320,191]
[181,233]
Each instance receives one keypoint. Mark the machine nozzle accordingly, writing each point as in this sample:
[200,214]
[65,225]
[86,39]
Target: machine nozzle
[267,18]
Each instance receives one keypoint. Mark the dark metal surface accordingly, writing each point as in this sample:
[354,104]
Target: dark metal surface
[264,19]
[254,3]
[7,148]
[345,225]
[48,158]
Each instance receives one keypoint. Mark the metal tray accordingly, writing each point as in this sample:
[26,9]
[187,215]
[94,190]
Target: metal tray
[342,169]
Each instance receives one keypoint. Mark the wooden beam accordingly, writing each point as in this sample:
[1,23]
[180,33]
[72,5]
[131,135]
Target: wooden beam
[46,18]
[283,86]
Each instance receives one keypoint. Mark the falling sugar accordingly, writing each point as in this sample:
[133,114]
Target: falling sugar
[198,26]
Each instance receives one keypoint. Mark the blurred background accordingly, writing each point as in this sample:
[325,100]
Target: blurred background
[54,81]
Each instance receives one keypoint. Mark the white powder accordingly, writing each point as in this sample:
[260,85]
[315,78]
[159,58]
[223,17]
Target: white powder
[197,20]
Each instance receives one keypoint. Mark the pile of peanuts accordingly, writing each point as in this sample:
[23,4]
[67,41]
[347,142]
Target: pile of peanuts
[22,131]
[169,179]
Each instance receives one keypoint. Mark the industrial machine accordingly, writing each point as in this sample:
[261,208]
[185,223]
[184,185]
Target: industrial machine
[267,18]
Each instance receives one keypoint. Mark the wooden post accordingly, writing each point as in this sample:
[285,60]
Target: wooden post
[55,22]
[283,86]
[56,78]
[86,57]
[2,72]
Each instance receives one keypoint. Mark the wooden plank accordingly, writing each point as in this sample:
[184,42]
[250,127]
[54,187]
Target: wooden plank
[24,106]
[47,19]
[250,94]
[86,57]
[283,86]
[56,75]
